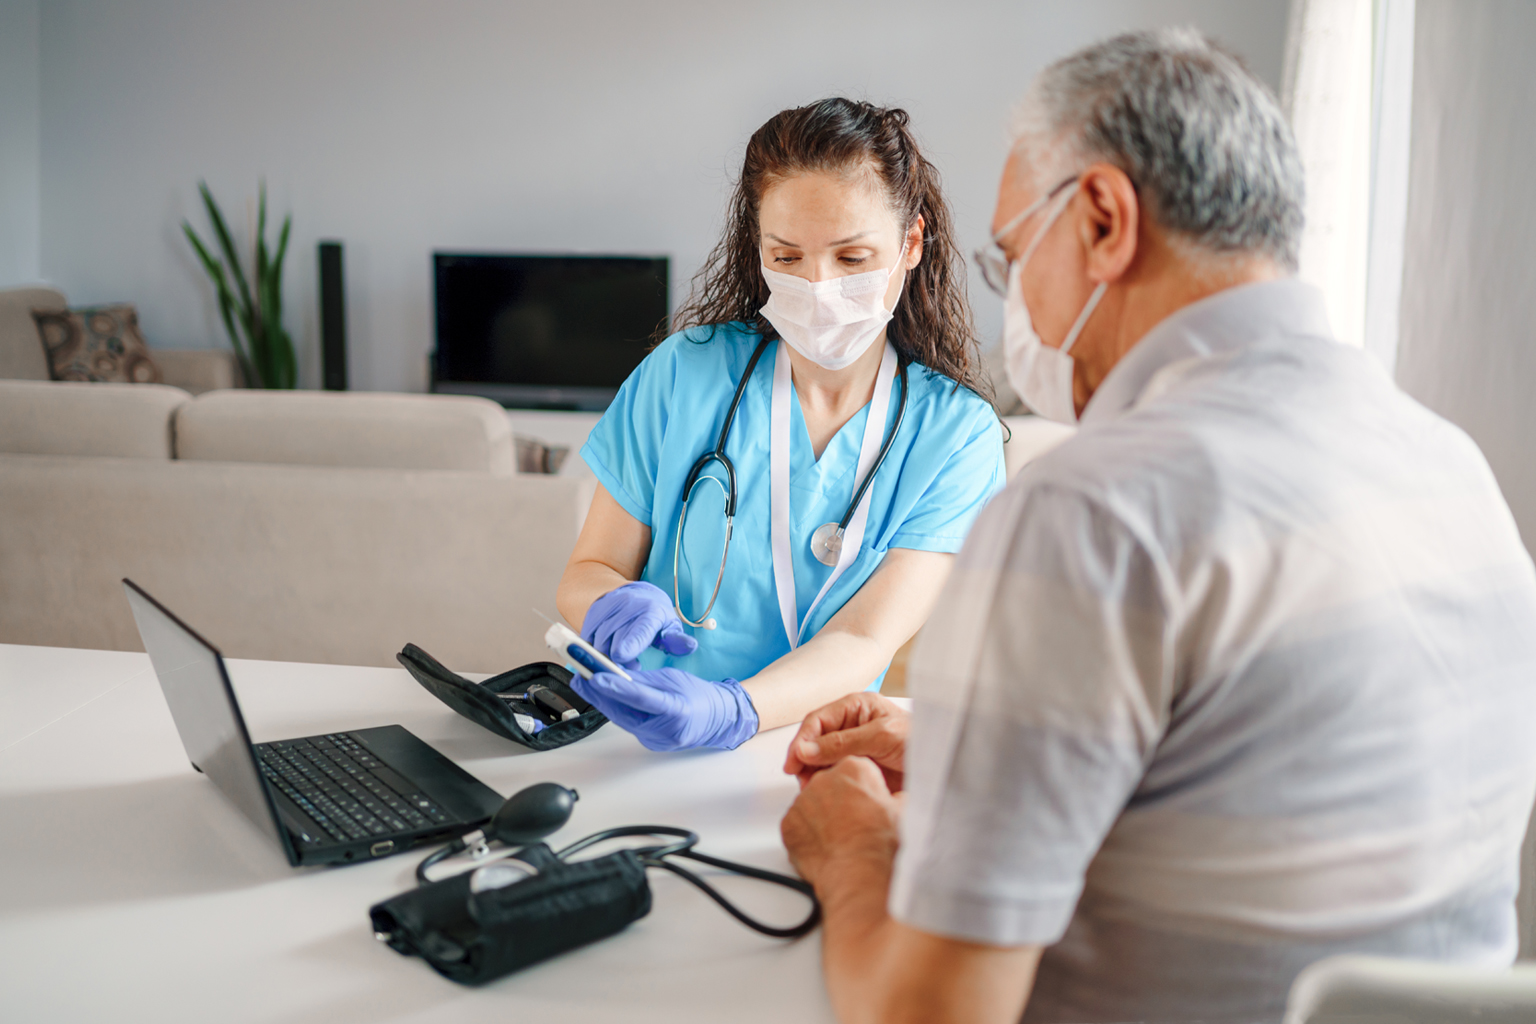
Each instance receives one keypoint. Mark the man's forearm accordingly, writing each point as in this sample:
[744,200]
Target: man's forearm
[880,971]
[841,834]
[856,935]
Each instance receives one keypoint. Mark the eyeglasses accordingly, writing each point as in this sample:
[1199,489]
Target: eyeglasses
[992,260]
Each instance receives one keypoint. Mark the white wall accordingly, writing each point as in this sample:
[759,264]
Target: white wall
[403,127]
[1468,342]
[1467,346]
[20,152]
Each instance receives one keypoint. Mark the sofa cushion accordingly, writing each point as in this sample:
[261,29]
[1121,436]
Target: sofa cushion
[199,369]
[101,344]
[64,418]
[329,428]
[21,350]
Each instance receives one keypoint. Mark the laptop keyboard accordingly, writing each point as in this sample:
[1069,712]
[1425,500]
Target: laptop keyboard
[346,790]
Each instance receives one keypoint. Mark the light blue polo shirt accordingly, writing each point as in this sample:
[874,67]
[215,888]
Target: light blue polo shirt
[944,464]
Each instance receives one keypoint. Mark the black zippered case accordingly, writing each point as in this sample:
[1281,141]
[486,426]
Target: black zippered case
[479,702]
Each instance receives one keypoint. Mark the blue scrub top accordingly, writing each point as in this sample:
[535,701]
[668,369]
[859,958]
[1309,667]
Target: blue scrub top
[944,465]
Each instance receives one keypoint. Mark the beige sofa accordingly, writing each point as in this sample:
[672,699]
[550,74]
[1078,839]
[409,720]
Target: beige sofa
[298,526]
[22,357]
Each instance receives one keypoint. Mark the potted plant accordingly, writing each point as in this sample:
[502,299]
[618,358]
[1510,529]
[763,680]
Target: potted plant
[252,308]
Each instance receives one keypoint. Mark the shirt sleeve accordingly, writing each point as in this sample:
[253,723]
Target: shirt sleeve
[624,449]
[971,475]
[1042,688]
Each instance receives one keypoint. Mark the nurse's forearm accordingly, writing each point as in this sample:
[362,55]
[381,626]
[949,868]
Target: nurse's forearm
[583,583]
[857,643]
[830,666]
[610,552]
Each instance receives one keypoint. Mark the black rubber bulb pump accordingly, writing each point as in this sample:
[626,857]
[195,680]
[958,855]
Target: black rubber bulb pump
[531,814]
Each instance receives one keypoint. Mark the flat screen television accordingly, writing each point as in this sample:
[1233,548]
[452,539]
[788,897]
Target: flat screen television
[544,332]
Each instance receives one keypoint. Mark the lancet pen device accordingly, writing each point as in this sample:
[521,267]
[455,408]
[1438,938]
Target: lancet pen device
[585,660]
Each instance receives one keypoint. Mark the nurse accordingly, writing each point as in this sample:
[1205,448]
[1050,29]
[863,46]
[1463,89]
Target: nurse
[784,482]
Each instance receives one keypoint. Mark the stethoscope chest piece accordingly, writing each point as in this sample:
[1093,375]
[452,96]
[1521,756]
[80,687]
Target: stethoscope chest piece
[827,543]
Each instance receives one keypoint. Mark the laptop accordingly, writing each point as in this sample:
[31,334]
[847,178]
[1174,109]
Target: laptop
[339,798]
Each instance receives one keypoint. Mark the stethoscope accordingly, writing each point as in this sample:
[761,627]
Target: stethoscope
[826,541]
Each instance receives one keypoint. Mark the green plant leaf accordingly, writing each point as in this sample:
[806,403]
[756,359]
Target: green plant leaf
[261,253]
[227,244]
[277,268]
[290,368]
[281,250]
[215,273]
[271,332]
[253,307]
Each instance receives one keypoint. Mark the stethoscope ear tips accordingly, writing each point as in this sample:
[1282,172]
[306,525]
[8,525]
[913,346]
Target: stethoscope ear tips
[709,623]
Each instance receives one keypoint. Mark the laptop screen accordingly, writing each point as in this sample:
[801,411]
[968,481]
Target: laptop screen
[203,706]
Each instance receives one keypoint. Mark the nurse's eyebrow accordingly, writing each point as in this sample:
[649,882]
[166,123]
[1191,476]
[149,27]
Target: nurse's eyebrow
[840,241]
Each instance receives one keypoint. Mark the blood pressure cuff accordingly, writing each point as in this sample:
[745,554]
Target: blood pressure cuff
[479,702]
[475,937]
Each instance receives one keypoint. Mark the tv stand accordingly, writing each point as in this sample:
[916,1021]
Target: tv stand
[532,396]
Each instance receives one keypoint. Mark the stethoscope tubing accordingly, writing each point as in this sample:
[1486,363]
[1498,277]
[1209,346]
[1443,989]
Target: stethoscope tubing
[890,439]
[717,454]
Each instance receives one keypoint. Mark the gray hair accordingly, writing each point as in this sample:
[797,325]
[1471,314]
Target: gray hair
[1204,141]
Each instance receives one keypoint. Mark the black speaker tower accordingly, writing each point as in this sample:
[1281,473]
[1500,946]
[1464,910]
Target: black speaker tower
[333,318]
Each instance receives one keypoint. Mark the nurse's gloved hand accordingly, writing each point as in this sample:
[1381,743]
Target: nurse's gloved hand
[669,709]
[626,621]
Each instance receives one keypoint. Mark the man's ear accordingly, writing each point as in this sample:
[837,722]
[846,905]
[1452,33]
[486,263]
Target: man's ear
[1109,233]
[915,242]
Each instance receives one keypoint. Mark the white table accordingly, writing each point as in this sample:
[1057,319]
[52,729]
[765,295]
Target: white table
[129,889]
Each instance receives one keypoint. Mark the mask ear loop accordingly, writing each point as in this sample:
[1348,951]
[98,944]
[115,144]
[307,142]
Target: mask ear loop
[1050,222]
[1082,318]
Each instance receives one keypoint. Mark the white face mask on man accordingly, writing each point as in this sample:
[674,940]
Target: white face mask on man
[1041,375]
[830,322]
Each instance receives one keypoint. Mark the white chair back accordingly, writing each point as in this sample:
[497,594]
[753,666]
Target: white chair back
[1378,990]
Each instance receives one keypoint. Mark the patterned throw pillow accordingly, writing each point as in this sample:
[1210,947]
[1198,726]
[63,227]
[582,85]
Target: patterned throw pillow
[101,343]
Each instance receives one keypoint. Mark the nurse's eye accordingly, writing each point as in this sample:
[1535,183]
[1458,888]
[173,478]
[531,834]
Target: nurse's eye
[853,261]
[786,260]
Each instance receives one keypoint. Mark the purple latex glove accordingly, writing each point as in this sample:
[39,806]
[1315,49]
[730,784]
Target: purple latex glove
[669,709]
[626,621]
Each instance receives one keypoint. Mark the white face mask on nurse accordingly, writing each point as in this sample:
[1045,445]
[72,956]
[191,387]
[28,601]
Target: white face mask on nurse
[835,261]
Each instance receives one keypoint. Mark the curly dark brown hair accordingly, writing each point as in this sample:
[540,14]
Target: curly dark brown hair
[932,323]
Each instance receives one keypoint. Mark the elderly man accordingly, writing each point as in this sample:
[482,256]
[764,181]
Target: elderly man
[1239,677]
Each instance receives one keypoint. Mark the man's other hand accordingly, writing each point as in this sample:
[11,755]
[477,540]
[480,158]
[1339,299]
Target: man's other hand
[858,725]
[844,816]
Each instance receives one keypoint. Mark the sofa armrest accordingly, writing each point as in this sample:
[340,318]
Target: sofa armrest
[199,369]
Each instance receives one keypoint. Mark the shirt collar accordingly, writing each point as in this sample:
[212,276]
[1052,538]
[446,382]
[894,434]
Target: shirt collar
[1232,319]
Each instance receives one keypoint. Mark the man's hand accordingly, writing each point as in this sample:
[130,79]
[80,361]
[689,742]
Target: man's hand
[844,820]
[841,834]
[858,725]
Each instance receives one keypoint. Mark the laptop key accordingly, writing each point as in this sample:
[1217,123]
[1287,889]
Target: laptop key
[342,786]
[413,796]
